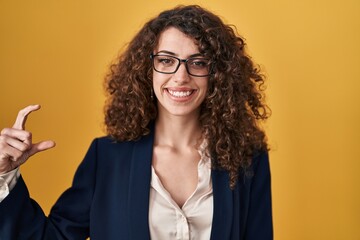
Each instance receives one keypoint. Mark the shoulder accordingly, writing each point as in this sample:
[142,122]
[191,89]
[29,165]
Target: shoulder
[109,142]
[260,159]
[259,171]
[106,155]
[108,147]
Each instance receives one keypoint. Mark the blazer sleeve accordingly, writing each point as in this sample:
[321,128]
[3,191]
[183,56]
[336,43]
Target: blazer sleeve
[259,221]
[22,218]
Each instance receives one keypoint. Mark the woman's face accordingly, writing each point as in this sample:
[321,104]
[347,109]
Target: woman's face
[179,93]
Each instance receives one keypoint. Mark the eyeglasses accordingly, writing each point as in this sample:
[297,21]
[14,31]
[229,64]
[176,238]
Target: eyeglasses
[195,66]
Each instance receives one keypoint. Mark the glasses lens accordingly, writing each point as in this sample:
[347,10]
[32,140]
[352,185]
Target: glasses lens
[165,64]
[198,66]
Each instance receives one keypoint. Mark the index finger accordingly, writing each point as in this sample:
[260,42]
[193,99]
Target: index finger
[22,116]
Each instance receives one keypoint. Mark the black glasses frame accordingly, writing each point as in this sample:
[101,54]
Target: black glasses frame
[152,57]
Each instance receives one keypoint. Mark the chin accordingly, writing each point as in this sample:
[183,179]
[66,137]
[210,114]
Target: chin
[181,111]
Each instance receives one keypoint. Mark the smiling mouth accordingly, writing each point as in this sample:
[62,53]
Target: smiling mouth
[180,94]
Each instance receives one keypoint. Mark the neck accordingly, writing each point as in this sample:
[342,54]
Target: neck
[177,131]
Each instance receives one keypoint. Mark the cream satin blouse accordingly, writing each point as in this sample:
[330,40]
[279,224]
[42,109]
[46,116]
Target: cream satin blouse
[167,221]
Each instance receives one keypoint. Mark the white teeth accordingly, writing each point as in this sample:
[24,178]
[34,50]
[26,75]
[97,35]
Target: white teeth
[179,93]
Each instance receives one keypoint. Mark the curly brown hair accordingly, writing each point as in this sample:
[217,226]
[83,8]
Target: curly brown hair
[234,104]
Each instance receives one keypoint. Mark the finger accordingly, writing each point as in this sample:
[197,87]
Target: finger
[13,142]
[22,116]
[41,146]
[21,135]
[10,153]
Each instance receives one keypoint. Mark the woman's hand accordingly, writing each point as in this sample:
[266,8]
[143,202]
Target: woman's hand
[16,144]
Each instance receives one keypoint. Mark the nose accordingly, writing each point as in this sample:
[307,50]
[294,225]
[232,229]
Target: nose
[181,75]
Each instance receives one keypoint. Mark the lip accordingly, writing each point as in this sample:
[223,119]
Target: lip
[180,94]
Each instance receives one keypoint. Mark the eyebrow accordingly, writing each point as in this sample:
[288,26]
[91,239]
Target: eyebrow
[174,54]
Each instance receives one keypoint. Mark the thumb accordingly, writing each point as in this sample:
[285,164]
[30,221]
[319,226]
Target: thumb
[41,146]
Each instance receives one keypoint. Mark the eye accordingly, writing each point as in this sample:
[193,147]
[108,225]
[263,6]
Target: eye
[198,63]
[165,60]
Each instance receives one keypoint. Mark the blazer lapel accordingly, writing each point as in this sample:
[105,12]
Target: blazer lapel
[139,187]
[223,206]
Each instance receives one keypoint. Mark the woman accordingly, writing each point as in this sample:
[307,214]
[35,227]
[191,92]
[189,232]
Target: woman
[184,157]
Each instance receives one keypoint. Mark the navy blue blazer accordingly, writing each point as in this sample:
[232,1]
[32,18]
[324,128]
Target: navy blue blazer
[109,199]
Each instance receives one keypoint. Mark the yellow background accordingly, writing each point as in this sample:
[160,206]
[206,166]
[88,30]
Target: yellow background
[56,53]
